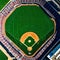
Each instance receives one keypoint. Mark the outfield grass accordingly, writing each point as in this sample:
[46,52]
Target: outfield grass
[3,3]
[29,19]
[3,56]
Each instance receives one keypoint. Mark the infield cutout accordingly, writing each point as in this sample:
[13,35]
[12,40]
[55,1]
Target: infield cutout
[29,34]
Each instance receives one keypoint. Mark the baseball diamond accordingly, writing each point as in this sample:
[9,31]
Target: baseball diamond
[29,27]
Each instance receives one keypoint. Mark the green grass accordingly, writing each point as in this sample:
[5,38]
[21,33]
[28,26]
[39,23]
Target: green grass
[29,19]
[3,3]
[3,56]
[31,43]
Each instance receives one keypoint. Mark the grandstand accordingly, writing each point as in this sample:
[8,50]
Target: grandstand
[4,55]
[26,29]
[54,53]
[57,2]
[3,3]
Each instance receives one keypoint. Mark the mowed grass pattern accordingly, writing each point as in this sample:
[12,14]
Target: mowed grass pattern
[29,19]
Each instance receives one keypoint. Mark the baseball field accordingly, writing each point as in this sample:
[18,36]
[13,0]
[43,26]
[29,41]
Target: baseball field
[29,27]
